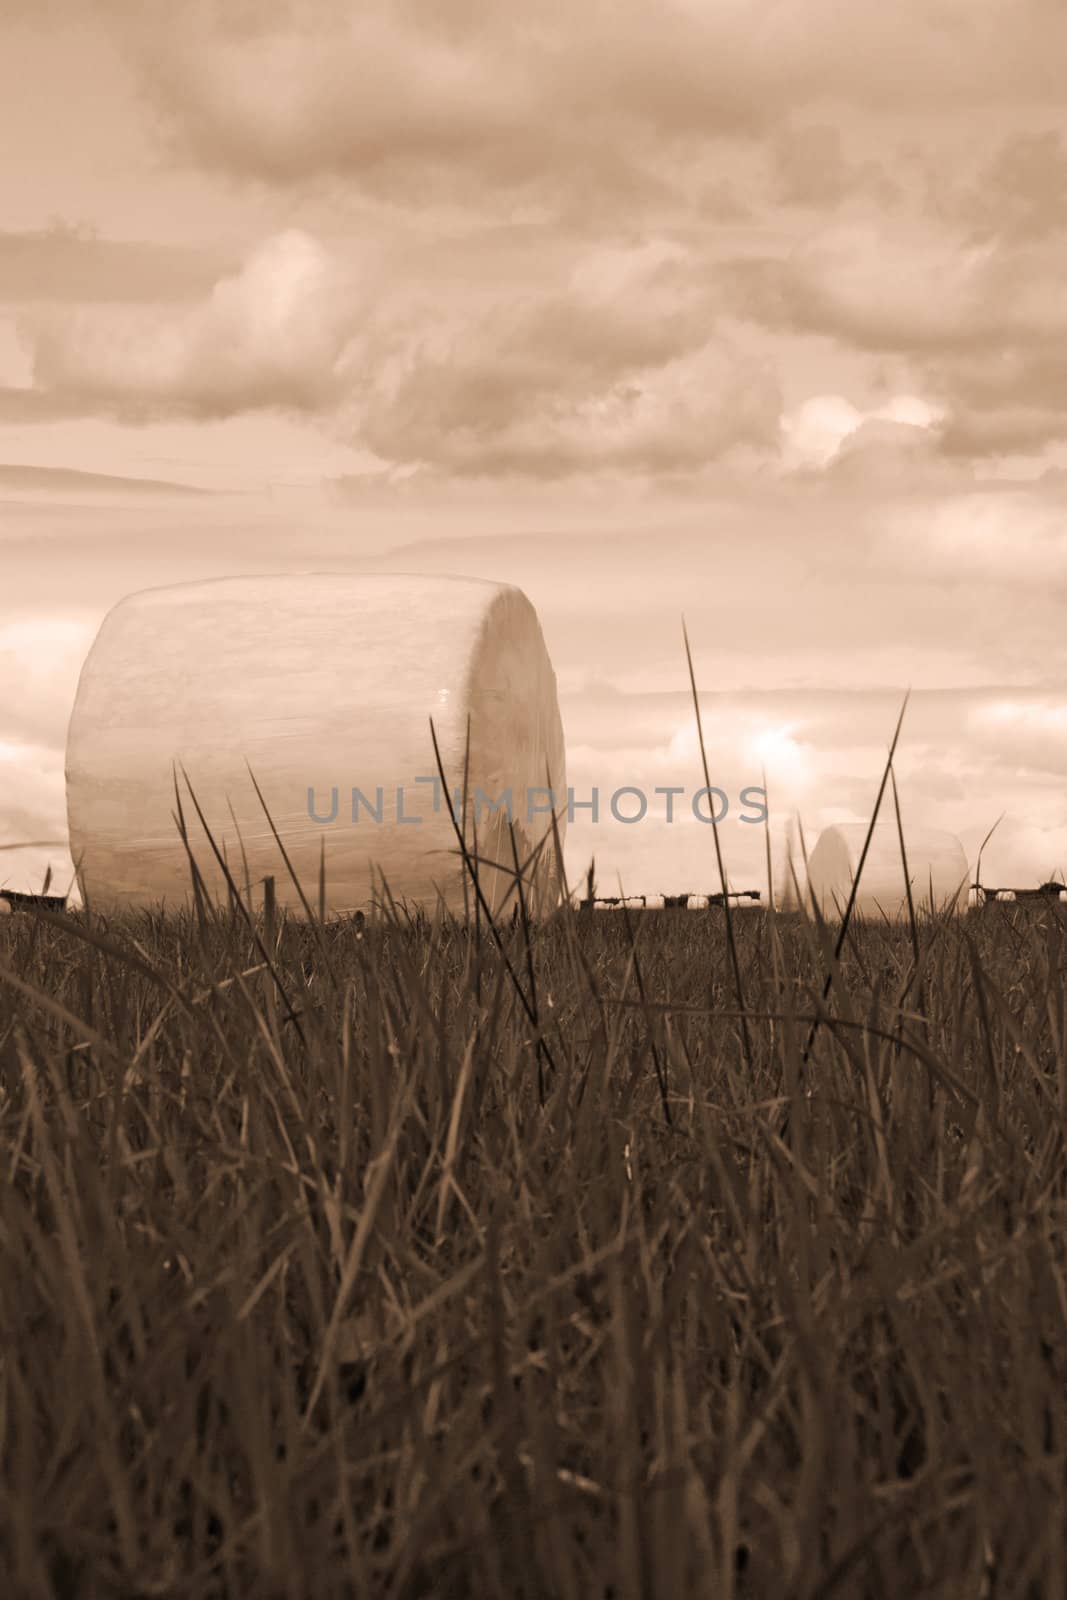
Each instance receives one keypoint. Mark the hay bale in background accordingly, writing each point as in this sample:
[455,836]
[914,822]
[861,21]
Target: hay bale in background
[322,682]
[25,869]
[936,859]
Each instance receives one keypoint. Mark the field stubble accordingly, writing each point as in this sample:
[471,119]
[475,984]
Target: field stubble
[395,1261]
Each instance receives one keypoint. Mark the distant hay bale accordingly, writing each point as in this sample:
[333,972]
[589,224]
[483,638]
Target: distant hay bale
[319,682]
[26,869]
[937,863]
[13,901]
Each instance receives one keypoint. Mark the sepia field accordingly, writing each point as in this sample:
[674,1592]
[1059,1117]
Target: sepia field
[410,1260]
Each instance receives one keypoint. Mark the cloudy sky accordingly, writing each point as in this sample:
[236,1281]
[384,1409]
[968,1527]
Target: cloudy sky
[751,313]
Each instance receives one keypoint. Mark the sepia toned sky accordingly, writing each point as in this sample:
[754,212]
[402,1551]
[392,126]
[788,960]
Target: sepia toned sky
[755,314]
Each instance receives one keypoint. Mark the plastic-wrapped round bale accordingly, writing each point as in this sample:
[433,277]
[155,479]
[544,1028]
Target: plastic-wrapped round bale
[324,685]
[35,870]
[936,862]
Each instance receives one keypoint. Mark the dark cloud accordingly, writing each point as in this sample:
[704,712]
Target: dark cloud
[1022,192]
[811,168]
[903,285]
[548,448]
[400,98]
[622,366]
[1007,399]
[1022,430]
[492,413]
[883,451]
[403,101]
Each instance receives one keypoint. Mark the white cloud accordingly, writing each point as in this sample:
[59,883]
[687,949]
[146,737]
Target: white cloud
[272,335]
[993,536]
[815,431]
[1029,733]
[40,659]
[33,802]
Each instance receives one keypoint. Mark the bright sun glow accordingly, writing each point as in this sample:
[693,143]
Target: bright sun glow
[780,755]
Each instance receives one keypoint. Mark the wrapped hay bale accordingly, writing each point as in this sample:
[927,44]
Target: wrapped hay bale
[937,863]
[41,871]
[324,684]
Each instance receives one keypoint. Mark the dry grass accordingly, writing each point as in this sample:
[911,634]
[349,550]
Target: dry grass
[303,1291]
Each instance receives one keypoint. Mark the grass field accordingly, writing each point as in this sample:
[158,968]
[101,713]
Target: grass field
[391,1262]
